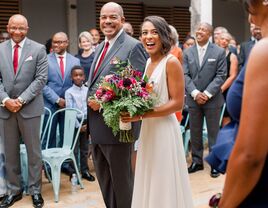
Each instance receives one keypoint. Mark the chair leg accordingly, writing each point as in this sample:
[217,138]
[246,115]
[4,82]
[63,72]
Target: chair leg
[77,173]
[186,140]
[55,172]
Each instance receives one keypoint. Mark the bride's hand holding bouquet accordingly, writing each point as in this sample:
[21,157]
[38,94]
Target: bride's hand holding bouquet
[124,94]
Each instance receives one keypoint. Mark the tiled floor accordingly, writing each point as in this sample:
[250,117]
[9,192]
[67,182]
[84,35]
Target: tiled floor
[203,186]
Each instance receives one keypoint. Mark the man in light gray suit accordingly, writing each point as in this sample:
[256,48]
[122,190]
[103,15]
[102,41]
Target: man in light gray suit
[205,71]
[23,71]
[112,159]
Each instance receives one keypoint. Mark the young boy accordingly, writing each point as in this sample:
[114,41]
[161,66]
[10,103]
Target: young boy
[76,97]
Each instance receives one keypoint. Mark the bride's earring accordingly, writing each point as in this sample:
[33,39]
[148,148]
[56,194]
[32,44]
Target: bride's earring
[265,2]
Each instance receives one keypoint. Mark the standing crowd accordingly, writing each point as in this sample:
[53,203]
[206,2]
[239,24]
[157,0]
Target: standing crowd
[194,79]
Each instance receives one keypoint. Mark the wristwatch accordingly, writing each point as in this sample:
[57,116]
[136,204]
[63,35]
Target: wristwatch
[21,100]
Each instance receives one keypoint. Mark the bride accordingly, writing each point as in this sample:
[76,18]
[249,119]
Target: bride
[161,177]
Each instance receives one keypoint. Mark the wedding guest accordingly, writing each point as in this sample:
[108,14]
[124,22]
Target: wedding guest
[217,32]
[232,71]
[188,42]
[246,182]
[23,69]
[246,46]
[3,36]
[96,37]
[160,129]
[76,97]
[175,49]
[205,72]
[128,28]
[86,57]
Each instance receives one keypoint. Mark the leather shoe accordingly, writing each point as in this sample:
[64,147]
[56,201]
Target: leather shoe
[195,167]
[2,197]
[9,200]
[86,175]
[214,173]
[38,200]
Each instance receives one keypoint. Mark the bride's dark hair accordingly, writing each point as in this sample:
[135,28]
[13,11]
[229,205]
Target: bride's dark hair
[250,3]
[163,31]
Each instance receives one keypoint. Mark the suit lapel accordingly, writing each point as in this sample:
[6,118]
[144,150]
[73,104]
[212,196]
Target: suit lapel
[25,51]
[195,55]
[116,46]
[9,57]
[207,54]
[93,66]
[67,67]
[55,63]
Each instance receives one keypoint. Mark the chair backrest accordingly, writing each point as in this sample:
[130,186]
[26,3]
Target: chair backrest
[70,120]
[43,129]
[221,117]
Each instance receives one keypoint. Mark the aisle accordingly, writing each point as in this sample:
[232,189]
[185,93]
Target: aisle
[203,186]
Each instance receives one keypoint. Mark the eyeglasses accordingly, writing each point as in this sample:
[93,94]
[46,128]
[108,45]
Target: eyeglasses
[59,42]
[21,29]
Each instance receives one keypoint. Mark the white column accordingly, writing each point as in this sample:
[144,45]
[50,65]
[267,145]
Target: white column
[201,11]
[72,25]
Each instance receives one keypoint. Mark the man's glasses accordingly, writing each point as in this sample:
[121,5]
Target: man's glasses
[59,42]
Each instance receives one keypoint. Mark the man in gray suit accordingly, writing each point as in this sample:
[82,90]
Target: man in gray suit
[112,159]
[205,71]
[23,71]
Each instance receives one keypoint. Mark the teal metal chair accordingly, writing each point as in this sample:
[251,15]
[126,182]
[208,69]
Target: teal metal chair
[183,127]
[204,133]
[23,152]
[55,156]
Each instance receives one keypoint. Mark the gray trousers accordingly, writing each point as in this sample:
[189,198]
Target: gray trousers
[196,118]
[15,128]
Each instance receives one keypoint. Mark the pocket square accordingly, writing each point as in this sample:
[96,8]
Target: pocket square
[211,60]
[29,58]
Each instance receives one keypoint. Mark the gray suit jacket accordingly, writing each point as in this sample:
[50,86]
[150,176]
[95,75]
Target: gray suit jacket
[124,48]
[29,80]
[210,76]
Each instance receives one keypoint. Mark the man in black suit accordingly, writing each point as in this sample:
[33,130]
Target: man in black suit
[112,159]
[205,71]
[246,47]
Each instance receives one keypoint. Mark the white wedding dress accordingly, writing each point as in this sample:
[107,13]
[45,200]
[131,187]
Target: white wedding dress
[161,177]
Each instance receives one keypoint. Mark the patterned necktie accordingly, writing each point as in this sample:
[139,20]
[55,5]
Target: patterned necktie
[61,66]
[16,58]
[102,57]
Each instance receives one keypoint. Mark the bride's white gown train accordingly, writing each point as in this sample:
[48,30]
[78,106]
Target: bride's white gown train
[161,177]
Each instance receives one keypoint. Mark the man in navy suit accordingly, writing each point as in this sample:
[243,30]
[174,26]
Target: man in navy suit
[205,71]
[60,64]
[248,45]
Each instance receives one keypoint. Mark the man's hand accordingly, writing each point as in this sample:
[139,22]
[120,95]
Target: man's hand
[93,104]
[13,105]
[61,103]
[201,98]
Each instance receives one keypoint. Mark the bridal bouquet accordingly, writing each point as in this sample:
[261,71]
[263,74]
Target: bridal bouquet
[124,91]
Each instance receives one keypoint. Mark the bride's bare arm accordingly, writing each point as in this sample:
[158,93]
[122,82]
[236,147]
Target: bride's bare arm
[175,82]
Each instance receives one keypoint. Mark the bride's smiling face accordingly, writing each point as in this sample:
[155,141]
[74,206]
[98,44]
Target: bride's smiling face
[150,38]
